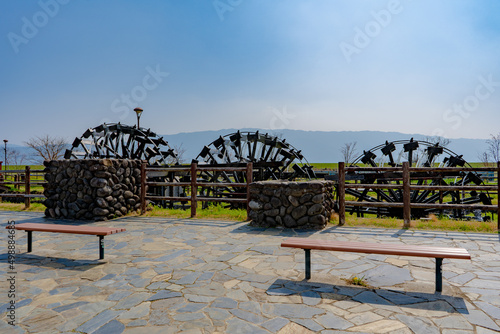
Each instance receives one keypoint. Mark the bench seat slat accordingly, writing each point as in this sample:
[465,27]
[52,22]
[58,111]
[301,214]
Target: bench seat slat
[372,248]
[73,229]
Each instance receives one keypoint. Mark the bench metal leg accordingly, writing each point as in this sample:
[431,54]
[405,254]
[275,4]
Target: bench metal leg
[308,263]
[439,275]
[30,240]
[101,247]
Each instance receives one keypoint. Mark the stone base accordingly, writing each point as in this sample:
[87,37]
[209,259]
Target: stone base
[291,204]
[92,189]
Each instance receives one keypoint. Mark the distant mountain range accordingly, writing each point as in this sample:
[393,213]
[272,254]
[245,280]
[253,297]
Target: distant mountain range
[316,146]
[322,146]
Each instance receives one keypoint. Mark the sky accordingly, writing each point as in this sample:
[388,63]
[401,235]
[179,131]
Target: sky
[428,67]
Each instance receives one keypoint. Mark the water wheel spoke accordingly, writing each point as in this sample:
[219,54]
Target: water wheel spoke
[419,154]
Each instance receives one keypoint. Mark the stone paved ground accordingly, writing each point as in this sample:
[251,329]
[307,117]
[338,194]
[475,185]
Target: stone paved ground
[198,276]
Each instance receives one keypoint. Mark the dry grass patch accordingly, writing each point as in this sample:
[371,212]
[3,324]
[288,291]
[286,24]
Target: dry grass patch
[211,212]
[34,207]
[434,223]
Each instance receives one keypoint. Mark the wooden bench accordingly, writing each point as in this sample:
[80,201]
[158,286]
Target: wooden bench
[439,253]
[73,229]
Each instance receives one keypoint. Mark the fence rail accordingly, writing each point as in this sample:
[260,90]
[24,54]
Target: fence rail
[406,188]
[192,171]
[31,178]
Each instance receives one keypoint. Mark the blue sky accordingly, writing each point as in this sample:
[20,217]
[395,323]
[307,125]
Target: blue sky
[410,66]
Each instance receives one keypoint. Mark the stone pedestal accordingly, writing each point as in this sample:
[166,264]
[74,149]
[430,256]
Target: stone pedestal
[93,189]
[291,204]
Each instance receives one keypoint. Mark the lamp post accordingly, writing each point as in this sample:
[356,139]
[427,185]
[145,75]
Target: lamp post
[138,111]
[5,151]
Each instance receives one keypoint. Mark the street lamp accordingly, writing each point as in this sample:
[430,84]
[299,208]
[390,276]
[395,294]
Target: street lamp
[138,111]
[5,150]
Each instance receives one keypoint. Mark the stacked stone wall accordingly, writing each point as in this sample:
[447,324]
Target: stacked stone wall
[92,189]
[291,204]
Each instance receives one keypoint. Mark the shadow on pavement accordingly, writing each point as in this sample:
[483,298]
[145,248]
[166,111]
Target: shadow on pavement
[53,262]
[310,291]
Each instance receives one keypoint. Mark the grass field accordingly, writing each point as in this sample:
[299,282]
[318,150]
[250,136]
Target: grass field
[35,207]
[212,212]
[434,223]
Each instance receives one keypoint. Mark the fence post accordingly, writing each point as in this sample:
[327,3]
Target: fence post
[498,195]
[249,175]
[441,201]
[341,193]
[27,187]
[143,187]
[194,189]
[406,195]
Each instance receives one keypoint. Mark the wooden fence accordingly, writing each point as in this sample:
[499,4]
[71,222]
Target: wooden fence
[27,178]
[193,185]
[406,188]
[30,178]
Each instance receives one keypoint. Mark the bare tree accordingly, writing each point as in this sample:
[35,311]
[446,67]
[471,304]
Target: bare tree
[47,147]
[349,152]
[16,157]
[484,158]
[493,150]
[179,150]
[443,142]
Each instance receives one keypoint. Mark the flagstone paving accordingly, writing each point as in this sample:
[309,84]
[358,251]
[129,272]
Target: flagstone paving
[201,276]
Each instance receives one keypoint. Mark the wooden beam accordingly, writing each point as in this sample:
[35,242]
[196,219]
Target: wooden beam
[27,188]
[498,195]
[341,193]
[249,177]
[194,189]
[143,187]
[406,195]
